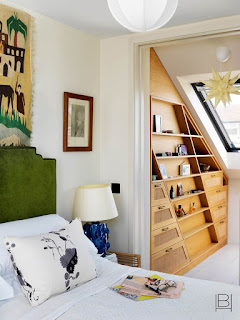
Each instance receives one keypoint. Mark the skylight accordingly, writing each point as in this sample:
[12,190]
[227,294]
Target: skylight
[226,120]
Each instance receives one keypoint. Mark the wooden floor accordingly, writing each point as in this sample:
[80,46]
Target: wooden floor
[222,266]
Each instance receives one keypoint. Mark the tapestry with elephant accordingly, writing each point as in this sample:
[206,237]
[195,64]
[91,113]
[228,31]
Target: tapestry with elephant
[15,77]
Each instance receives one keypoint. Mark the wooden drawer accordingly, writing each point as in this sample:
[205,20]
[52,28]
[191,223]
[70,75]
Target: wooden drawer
[217,196]
[219,212]
[159,194]
[171,259]
[212,181]
[222,229]
[162,216]
[165,237]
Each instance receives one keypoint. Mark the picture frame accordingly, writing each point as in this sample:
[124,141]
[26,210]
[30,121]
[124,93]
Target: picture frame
[157,123]
[77,122]
[184,150]
[163,171]
[185,169]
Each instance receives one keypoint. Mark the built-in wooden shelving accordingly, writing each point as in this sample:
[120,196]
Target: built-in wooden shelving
[190,215]
[179,244]
[187,156]
[176,199]
[204,251]
[187,176]
[196,230]
[176,135]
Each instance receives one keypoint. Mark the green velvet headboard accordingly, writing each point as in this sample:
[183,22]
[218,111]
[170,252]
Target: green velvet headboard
[27,184]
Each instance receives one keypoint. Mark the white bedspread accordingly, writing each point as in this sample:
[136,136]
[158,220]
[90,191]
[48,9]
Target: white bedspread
[94,301]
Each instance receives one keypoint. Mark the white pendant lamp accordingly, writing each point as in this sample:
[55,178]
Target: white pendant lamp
[223,54]
[142,15]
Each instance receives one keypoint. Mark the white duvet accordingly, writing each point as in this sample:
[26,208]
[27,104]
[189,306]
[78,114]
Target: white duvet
[95,301]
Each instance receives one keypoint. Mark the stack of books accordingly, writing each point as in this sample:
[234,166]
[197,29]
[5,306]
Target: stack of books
[144,288]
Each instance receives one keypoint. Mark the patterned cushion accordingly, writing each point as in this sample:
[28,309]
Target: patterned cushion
[51,263]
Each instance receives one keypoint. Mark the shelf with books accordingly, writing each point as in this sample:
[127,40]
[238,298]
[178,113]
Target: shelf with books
[176,157]
[189,176]
[182,177]
[186,156]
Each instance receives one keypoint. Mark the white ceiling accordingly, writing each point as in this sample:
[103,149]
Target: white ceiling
[94,17]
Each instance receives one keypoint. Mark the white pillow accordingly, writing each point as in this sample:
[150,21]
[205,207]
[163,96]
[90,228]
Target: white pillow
[91,247]
[6,291]
[51,263]
[24,228]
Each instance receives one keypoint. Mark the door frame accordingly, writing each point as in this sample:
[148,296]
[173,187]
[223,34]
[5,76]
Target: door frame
[141,59]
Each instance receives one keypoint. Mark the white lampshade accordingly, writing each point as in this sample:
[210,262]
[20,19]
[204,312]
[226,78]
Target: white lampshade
[94,203]
[142,15]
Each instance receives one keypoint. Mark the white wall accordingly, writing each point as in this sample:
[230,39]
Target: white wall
[64,59]
[115,134]
[233,213]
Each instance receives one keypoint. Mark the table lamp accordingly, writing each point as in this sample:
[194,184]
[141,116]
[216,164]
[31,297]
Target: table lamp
[94,203]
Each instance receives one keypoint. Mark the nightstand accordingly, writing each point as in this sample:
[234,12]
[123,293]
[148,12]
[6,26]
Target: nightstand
[127,259]
[111,257]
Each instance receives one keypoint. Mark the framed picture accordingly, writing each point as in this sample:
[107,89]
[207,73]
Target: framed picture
[77,123]
[157,123]
[184,149]
[184,169]
[163,171]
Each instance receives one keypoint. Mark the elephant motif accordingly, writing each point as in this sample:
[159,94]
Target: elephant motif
[7,92]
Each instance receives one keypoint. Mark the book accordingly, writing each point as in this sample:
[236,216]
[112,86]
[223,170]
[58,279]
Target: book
[144,288]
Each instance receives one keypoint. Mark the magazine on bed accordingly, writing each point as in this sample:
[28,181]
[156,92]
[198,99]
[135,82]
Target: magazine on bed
[143,288]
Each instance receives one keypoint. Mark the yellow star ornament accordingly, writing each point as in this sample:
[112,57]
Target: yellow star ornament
[220,88]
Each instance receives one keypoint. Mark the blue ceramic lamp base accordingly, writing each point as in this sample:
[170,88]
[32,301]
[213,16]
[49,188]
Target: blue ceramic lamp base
[98,233]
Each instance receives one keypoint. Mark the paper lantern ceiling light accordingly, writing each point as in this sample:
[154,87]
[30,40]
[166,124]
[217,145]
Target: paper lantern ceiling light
[142,15]
[223,54]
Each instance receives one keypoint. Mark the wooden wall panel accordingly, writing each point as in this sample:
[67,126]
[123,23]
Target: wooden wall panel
[160,83]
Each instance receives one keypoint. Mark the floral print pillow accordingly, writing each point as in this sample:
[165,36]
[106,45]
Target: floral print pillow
[51,263]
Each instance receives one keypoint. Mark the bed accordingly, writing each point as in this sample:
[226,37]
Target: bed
[94,299]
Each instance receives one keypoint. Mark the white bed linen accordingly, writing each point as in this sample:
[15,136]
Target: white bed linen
[94,301]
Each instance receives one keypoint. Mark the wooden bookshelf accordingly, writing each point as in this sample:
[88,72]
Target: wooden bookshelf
[196,230]
[190,215]
[176,135]
[180,198]
[179,244]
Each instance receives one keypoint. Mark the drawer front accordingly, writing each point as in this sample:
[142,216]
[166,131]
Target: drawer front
[162,215]
[159,194]
[219,212]
[212,181]
[165,237]
[222,229]
[171,259]
[217,197]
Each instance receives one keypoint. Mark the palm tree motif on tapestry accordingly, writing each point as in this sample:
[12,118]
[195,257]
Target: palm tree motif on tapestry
[16,25]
